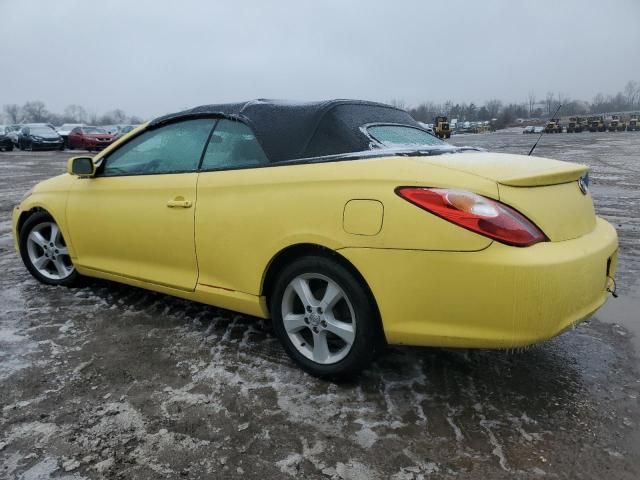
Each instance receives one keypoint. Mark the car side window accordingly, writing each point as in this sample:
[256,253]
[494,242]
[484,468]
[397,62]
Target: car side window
[174,148]
[233,145]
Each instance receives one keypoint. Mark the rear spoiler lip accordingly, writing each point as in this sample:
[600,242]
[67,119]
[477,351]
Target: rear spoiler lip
[555,176]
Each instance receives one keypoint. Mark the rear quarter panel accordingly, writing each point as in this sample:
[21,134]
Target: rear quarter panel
[244,218]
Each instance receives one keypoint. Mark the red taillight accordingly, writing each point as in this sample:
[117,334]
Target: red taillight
[476,213]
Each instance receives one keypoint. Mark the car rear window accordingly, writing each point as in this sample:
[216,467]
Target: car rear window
[401,136]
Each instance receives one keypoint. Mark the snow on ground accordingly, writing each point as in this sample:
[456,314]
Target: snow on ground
[109,381]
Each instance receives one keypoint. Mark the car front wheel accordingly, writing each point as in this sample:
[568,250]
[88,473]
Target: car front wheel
[45,253]
[325,318]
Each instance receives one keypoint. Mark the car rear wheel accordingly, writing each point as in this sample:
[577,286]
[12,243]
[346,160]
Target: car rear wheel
[325,318]
[45,253]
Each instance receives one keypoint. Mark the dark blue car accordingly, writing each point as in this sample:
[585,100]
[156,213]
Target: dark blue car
[38,136]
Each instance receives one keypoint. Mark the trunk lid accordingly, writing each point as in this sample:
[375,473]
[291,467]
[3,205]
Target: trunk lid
[513,170]
[545,191]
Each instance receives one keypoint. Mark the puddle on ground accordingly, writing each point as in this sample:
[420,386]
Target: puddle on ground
[624,311]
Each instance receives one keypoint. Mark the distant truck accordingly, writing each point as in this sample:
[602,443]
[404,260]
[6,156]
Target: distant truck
[616,125]
[553,126]
[634,124]
[576,125]
[596,124]
[441,127]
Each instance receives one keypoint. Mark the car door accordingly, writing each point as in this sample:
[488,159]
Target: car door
[23,137]
[135,218]
[226,232]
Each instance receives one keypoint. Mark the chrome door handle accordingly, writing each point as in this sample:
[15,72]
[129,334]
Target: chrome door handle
[179,203]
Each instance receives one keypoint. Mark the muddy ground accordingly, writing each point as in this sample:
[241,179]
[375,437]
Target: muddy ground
[110,381]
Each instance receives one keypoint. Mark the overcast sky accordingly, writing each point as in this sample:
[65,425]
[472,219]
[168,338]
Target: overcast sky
[152,57]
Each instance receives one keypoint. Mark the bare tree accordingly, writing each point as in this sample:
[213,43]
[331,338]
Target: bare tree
[35,111]
[562,100]
[118,116]
[631,90]
[395,102]
[531,101]
[493,107]
[13,112]
[549,102]
[75,114]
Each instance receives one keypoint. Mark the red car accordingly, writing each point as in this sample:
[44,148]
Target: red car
[89,138]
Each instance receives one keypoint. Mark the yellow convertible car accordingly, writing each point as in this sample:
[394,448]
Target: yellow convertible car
[345,222]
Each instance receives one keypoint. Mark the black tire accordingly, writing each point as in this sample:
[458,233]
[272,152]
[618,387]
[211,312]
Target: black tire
[368,333]
[38,218]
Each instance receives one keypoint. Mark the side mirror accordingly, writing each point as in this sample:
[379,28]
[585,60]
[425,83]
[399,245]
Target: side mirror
[81,166]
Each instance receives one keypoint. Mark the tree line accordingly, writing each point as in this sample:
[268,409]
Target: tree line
[504,114]
[37,112]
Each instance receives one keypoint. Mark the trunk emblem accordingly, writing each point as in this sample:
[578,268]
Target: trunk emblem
[583,183]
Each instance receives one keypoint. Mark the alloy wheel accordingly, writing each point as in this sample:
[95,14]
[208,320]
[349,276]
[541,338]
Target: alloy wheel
[48,252]
[319,318]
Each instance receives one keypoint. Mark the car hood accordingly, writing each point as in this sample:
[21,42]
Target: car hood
[48,136]
[60,183]
[98,135]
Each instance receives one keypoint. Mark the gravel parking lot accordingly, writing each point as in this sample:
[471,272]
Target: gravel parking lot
[110,381]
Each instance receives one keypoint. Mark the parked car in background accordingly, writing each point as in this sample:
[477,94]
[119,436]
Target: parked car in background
[5,142]
[124,129]
[111,129]
[12,131]
[528,129]
[39,136]
[89,138]
[64,130]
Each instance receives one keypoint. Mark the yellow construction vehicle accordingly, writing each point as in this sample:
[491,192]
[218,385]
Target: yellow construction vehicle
[553,126]
[576,124]
[616,125]
[441,127]
[634,123]
[596,124]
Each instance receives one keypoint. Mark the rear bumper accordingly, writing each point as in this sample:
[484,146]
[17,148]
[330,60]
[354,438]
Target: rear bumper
[499,297]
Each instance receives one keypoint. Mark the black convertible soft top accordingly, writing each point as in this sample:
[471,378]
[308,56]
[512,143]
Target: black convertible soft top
[292,130]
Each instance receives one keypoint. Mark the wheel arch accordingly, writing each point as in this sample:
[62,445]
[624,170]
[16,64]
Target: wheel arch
[27,214]
[24,216]
[293,252]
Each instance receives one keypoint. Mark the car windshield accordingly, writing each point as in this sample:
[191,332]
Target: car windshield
[41,130]
[402,136]
[94,130]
